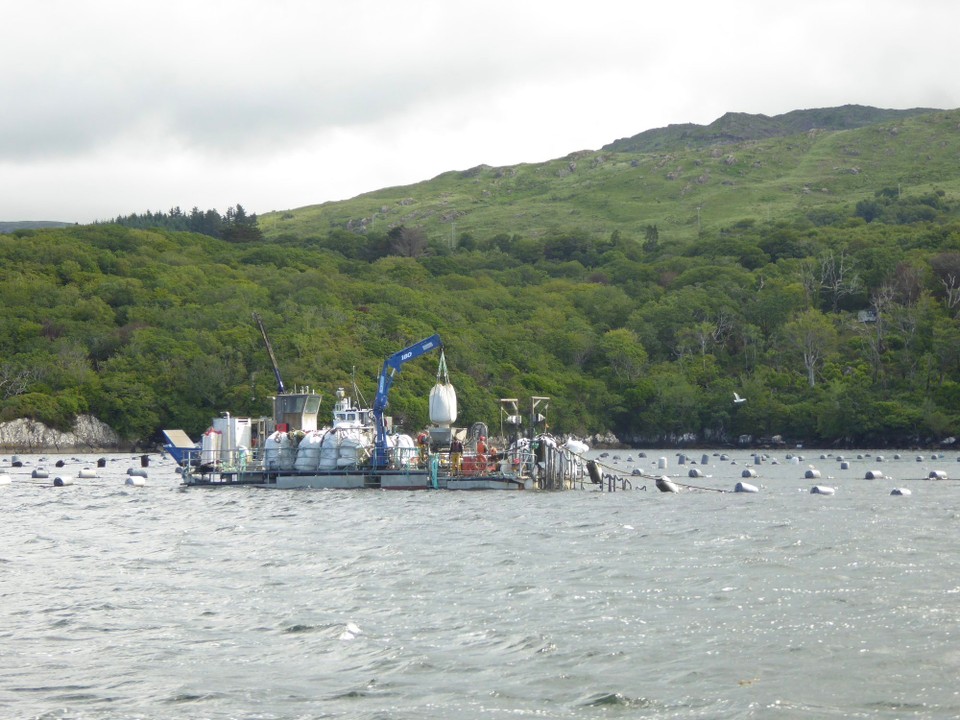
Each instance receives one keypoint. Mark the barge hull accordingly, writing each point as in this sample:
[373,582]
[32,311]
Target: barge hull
[354,480]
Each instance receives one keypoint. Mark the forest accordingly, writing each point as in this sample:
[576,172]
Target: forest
[838,322]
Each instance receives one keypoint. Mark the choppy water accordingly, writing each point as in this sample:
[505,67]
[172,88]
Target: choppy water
[156,602]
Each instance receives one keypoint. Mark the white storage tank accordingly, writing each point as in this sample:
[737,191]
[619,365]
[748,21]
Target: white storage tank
[329,450]
[308,451]
[210,447]
[279,451]
[234,432]
[353,450]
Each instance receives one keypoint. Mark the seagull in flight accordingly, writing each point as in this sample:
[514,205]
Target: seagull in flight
[738,400]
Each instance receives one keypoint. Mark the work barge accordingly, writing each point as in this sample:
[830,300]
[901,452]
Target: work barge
[360,449]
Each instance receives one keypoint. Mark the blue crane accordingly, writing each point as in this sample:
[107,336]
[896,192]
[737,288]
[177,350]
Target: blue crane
[392,365]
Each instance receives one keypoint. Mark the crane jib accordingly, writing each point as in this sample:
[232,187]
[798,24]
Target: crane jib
[390,366]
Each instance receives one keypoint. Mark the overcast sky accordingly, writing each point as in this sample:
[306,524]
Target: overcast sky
[110,107]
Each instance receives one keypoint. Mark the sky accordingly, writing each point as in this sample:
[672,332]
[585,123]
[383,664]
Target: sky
[110,107]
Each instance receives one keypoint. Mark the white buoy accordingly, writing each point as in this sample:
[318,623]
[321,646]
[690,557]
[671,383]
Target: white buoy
[39,473]
[62,481]
[662,463]
[937,475]
[135,481]
[704,460]
[87,473]
[873,475]
[811,473]
[900,491]
[695,473]
[822,490]
[748,472]
[745,488]
[137,472]
[664,484]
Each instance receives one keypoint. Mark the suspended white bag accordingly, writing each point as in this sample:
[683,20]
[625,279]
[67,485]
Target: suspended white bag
[443,397]
[443,404]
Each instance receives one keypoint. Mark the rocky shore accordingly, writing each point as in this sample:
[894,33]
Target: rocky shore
[87,434]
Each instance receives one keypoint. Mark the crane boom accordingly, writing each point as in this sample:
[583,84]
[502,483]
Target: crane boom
[273,359]
[390,366]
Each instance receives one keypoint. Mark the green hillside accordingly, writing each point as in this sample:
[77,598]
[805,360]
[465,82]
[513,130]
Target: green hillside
[816,274]
[682,187]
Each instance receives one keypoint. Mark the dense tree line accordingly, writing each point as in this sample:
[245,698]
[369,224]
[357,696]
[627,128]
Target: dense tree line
[234,226]
[839,328]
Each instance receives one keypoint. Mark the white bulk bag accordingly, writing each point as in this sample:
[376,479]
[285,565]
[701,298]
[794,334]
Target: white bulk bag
[443,404]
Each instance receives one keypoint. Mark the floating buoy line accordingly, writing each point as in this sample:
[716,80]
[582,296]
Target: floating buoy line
[41,477]
[662,482]
[612,478]
[602,475]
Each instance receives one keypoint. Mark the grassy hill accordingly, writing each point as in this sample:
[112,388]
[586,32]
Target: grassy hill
[683,179]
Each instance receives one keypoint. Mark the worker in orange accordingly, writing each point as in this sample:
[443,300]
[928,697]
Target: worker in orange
[482,453]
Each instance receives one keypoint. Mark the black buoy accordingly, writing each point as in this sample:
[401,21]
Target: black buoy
[60,463]
[144,461]
[594,472]
[102,462]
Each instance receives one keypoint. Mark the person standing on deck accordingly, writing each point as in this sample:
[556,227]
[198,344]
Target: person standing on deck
[482,453]
[422,448]
[456,456]
[493,459]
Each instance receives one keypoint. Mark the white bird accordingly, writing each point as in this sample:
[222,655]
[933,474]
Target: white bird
[738,400]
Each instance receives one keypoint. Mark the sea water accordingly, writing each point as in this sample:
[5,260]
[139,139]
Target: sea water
[163,602]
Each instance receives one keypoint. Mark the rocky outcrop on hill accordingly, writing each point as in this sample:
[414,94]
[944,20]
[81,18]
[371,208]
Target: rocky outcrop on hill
[736,127]
[88,433]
